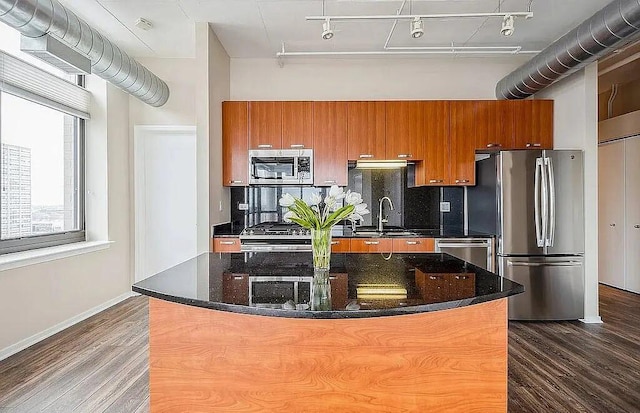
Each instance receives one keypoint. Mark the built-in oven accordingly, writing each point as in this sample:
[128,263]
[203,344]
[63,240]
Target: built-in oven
[276,291]
[281,167]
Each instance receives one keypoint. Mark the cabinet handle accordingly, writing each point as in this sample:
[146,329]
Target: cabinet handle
[533,145]
[462,277]
[227,243]
[371,242]
[265,146]
[364,156]
[238,277]
[637,226]
[494,145]
[435,277]
[413,242]
[462,181]
[330,181]
[335,242]
[612,225]
[235,182]
[405,155]
[436,181]
[296,146]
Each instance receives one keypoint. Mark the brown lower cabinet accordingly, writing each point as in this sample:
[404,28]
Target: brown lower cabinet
[339,290]
[235,288]
[366,245]
[386,245]
[436,287]
[340,245]
[413,245]
[226,244]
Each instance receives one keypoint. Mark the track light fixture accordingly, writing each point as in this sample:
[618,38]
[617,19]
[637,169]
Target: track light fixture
[327,33]
[417,28]
[507,25]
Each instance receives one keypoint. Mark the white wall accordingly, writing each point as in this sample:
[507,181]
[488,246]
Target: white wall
[576,127]
[368,79]
[36,298]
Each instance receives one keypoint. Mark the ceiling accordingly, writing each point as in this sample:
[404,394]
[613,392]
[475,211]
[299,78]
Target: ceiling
[257,28]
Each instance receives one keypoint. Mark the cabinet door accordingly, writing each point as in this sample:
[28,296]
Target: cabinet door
[339,290]
[330,143]
[632,172]
[611,214]
[366,130]
[463,142]
[235,143]
[371,245]
[405,245]
[533,124]
[461,286]
[404,130]
[340,245]
[265,125]
[297,125]
[235,288]
[433,287]
[494,125]
[226,244]
[436,165]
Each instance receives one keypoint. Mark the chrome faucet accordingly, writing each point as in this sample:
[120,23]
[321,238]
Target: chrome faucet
[382,220]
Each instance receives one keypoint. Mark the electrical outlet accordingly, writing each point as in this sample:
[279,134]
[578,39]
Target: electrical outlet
[445,207]
[243,207]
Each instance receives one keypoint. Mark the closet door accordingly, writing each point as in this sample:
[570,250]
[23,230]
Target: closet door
[632,221]
[611,208]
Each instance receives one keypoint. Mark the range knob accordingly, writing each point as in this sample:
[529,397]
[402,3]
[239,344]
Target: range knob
[251,232]
[294,232]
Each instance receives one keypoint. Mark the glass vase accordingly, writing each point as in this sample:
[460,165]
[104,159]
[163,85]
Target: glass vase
[321,247]
[321,290]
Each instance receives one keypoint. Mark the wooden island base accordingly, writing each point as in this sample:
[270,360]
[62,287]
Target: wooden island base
[444,361]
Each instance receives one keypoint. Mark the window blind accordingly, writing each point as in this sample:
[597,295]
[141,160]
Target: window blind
[24,80]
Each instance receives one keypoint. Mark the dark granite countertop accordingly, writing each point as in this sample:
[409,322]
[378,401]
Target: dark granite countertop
[362,285]
[339,231]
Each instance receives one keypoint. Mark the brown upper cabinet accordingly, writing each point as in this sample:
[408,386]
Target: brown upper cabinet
[297,125]
[280,125]
[235,143]
[265,125]
[404,130]
[366,130]
[435,169]
[330,144]
[494,124]
[533,125]
[463,140]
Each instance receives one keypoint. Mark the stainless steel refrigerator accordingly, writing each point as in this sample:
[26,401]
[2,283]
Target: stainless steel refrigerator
[533,202]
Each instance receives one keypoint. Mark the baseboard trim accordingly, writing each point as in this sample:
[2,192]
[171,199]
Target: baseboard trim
[592,320]
[36,338]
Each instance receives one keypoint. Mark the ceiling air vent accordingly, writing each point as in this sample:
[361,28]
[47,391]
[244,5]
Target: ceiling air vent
[56,53]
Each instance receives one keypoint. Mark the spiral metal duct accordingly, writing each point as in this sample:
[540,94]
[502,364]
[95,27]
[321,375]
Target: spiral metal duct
[608,29]
[35,18]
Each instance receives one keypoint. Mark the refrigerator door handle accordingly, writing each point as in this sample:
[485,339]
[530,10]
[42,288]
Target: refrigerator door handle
[536,203]
[544,264]
[552,202]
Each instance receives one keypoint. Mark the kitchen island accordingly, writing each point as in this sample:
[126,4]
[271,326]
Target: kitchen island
[406,332]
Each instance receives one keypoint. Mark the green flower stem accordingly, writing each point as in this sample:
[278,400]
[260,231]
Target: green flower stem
[321,246]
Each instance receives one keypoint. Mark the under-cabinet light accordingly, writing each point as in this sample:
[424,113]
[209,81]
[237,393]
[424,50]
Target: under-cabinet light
[393,164]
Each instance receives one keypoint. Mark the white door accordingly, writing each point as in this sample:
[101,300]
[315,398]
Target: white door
[611,214]
[632,179]
[165,197]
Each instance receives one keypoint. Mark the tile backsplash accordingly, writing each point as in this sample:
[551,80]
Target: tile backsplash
[414,207]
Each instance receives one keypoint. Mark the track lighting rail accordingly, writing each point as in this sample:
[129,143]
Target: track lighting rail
[525,14]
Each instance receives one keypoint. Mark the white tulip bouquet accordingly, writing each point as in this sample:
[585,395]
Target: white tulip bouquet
[320,213]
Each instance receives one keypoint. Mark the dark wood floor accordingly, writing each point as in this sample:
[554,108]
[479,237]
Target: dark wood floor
[100,365]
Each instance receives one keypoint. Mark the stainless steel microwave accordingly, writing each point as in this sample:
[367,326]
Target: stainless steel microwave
[281,167]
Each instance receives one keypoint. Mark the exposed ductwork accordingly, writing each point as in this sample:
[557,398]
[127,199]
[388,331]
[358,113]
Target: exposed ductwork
[608,29]
[35,18]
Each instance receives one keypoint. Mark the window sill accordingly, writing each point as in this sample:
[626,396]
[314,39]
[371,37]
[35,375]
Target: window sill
[24,258]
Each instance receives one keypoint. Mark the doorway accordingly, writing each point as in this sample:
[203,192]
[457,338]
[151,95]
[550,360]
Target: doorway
[165,210]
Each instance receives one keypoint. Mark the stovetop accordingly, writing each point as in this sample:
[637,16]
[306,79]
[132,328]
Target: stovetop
[276,229]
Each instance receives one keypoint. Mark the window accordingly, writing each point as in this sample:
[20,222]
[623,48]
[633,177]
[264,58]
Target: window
[42,128]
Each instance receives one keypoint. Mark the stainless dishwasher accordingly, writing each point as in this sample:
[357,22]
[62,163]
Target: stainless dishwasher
[477,251]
